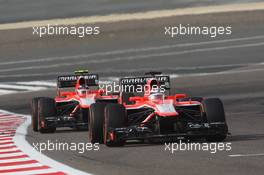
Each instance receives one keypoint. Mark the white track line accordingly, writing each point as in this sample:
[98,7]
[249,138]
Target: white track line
[218,73]
[6,135]
[110,79]
[9,134]
[3,92]
[32,172]
[8,128]
[9,119]
[23,145]
[6,131]
[138,16]
[134,58]
[38,83]
[24,165]
[21,166]
[12,154]
[172,75]
[7,116]
[5,145]
[3,140]
[21,87]
[246,155]
[133,50]
[14,160]
[9,149]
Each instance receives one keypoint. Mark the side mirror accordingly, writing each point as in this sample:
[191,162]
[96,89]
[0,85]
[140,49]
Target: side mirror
[99,91]
[180,96]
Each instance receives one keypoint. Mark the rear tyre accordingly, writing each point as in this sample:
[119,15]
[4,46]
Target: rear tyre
[34,114]
[115,117]
[214,111]
[96,120]
[46,108]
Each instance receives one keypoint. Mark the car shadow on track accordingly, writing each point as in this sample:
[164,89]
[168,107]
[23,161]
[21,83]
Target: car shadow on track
[70,131]
[231,138]
[245,137]
[158,143]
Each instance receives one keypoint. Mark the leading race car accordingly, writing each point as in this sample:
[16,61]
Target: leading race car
[156,115]
[70,108]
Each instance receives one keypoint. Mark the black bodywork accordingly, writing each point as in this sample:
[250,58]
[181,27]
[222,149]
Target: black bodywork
[190,124]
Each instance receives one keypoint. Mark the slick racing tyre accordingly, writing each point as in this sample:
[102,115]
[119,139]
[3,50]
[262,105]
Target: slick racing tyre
[46,108]
[34,114]
[115,117]
[96,120]
[215,113]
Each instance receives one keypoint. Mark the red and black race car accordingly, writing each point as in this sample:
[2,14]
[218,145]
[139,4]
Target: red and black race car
[70,108]
[155,115]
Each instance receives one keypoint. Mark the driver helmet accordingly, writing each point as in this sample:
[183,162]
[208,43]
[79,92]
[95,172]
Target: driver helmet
[82,89]
[157,97]
[154,91]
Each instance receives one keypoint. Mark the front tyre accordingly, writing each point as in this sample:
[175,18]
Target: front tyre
[215,115]
[115,117]
[34,114]
[96,120]
[46,108]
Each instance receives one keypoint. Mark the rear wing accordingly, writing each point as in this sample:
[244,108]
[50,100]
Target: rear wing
[162,79]
[68,81]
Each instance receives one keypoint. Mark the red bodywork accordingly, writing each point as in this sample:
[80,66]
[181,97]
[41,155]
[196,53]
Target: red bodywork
[164,107]
[84,99]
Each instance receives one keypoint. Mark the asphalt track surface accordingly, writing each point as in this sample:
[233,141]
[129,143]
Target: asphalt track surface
[23,10]
[228,67]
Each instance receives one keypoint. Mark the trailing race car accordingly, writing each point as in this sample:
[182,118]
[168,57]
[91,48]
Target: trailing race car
[155,115]
[70,108]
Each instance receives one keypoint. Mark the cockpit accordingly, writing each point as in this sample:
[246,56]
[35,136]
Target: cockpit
[157,97]
[82,88]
